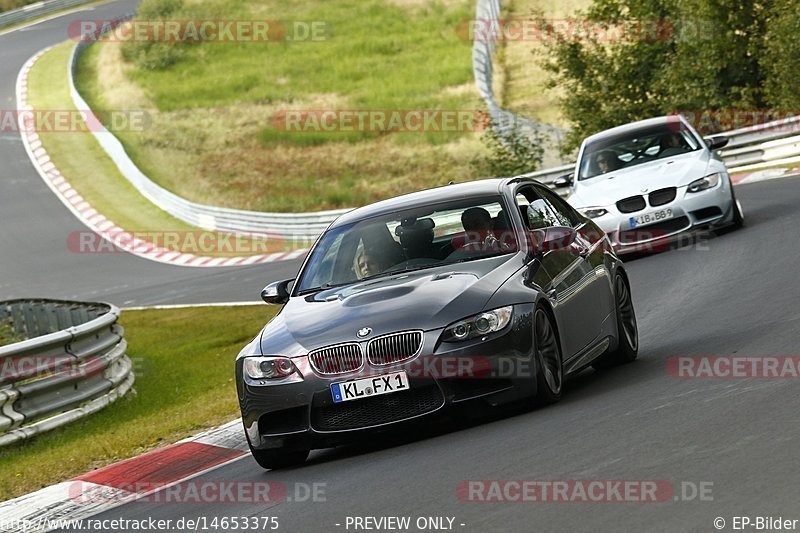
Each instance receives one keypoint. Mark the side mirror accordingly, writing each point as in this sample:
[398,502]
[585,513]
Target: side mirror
[552,238]
[563,181]
[716,142]
[277,292]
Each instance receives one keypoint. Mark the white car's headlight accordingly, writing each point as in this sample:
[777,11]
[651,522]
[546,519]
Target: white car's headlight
[268,367]
[594,212]
[705,183]
[477,325]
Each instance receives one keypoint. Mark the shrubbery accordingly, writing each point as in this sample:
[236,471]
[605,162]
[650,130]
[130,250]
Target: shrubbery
[710,55]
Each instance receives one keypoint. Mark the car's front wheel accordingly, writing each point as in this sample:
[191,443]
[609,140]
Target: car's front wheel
[738,216]
[272,459]
[549,377]
[627,327]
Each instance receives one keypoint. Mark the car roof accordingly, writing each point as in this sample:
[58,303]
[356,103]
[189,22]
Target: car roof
[484,187]
[632,126]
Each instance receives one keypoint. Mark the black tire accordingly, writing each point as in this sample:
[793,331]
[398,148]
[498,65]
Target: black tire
[272,459]
[738,217]
[627,328]
[550,372]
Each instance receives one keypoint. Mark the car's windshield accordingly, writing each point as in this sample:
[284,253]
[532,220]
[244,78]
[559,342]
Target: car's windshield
[634,148]
[412,239]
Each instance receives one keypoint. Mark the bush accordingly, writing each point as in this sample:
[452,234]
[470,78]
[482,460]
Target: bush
[710,56]
[154,55]
[516,153]
[781,56]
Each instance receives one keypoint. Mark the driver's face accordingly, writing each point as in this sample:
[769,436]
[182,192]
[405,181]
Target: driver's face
[369,265]
[604,164]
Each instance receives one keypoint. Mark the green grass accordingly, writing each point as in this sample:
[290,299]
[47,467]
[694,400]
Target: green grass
[8,335]
[376,54]
[89,169]
[183,361]
[524,88]
[214,139]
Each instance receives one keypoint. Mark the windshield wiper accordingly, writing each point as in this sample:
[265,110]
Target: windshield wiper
[401,271]
[318,289]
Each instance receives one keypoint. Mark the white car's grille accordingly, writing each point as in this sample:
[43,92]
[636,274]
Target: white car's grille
[662,196]
[631,205]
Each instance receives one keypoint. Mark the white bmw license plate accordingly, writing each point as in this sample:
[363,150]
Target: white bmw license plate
[649,218]
[373,386]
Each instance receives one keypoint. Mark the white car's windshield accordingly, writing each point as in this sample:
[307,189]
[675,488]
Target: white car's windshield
[413,239]
[634,148]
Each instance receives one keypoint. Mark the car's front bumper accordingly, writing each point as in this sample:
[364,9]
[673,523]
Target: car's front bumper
[303,414]
[709,208]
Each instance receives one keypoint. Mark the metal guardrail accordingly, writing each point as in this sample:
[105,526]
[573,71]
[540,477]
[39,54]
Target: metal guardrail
[72,364]
[39,9]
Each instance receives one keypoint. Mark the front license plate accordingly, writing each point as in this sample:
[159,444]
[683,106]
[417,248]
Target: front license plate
[649,218]
[373,386]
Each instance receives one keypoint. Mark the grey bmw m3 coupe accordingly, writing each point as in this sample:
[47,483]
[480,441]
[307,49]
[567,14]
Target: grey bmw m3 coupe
[490,291]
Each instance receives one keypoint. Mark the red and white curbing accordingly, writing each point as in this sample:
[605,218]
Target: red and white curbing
[96,221]
[125,481]
[763,175]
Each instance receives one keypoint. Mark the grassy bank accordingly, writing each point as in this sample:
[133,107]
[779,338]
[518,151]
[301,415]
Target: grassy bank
[93,174]
[524,89]
[214,138]
[183,361]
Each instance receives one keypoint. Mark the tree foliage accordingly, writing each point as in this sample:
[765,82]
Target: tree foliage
[704,56]
[517,152]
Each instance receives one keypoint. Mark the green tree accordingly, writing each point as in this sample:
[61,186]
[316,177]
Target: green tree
[780,60]
[706,55]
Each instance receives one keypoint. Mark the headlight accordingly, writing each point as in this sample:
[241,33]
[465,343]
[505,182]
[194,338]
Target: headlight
[594,212]
[705,183]
[480,324]
[268,367]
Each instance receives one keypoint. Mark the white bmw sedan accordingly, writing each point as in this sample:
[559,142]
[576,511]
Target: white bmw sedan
[646,182]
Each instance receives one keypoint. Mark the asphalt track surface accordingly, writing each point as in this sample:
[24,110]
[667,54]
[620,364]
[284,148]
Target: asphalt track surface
[34,258]
[733,294]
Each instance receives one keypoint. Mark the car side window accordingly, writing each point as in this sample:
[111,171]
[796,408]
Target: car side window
[565,211]
[538,212]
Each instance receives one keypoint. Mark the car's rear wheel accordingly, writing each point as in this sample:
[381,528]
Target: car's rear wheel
[549,378]
[272,459]
[627,327]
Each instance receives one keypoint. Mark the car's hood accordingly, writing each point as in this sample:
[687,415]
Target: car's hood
[608,188]
[424,299]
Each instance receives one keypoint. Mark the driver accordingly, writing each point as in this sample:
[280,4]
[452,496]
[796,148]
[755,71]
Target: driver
[368,264]
[671,144]
[606,161]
